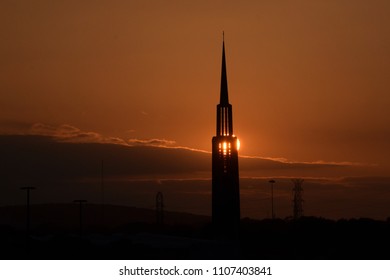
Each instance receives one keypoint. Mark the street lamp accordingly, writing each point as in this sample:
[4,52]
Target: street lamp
[272,182]
[27,189]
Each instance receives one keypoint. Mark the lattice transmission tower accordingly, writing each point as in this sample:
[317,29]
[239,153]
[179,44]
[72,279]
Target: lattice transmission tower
[297,198]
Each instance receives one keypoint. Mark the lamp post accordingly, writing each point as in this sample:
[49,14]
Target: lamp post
[27,189]
[272,182]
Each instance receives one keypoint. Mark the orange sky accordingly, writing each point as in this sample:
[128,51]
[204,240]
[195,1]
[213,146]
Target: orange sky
[308,80]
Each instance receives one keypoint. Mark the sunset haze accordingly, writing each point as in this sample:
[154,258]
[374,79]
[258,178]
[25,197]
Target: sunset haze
[309,82]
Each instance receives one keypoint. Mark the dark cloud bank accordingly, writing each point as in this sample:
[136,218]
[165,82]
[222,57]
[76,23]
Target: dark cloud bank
[64,170]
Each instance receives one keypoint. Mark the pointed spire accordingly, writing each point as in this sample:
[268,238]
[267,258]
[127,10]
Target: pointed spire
[224,99]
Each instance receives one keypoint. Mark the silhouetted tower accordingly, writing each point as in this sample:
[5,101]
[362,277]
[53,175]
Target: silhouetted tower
[159,208]
[225,179]
[297,198]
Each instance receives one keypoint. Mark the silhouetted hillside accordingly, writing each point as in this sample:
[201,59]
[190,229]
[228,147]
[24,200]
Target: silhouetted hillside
[66,216]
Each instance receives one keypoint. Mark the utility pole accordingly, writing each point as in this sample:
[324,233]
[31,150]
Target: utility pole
[28,189]
[272,182]
[159,208]
[102,187]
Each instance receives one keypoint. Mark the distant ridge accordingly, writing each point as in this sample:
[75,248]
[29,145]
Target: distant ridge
[66,216]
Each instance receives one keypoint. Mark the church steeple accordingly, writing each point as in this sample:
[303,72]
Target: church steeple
[225,178]
[224,87]
[224,109]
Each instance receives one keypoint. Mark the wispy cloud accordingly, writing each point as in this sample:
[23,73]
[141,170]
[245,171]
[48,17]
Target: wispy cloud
[151,142]
[317,162]
[69,133]
[161,143]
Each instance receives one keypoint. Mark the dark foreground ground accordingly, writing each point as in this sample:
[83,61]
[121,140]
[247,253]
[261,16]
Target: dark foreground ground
[116,232]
